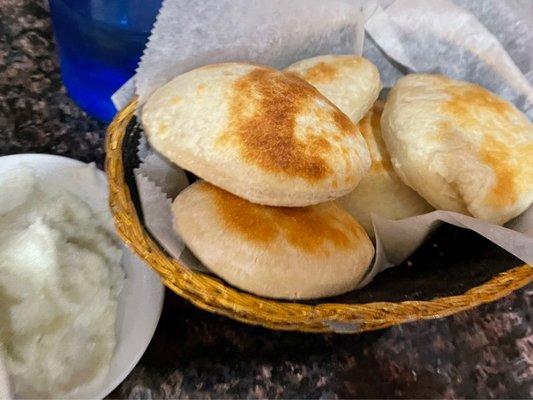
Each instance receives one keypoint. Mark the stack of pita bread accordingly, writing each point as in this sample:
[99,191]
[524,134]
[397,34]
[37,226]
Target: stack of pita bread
[292,164]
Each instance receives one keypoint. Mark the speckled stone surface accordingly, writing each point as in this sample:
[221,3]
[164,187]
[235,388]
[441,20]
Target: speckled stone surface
[36,115]
[481,353]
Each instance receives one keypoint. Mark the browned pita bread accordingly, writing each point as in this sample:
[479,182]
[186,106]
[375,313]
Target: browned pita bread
[264,135]
[279,252]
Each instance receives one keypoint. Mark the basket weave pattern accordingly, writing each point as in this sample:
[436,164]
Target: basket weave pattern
[212,294]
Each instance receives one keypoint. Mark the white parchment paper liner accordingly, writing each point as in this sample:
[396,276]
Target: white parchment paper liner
[190,33]
[158,182]
[404,38]
[440,37]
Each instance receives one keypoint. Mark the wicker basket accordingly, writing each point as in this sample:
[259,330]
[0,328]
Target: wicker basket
[211,294]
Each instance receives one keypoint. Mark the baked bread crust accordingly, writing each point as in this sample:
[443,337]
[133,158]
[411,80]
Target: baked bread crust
[381,191]
[264,135]
[351,83]
[279,252]
[460,146]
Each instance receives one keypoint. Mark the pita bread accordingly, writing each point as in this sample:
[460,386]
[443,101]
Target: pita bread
[264,135]
[381,191]
[352,83]
[278,252]
[460,146]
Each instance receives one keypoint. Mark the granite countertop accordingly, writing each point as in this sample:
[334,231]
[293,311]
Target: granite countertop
[482,353]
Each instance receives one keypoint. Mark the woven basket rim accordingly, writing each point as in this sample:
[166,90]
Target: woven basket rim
[212,294]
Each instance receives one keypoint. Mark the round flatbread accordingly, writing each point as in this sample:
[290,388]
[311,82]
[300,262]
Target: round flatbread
[278,252]
[381,191]
[460,146]
[352,83]
[264,135]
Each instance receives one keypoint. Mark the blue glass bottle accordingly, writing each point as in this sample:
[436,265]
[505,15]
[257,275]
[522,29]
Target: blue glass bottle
[99,44]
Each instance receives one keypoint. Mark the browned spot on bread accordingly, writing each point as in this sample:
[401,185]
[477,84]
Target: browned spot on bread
[310,229]
[343,122]
[320,143]
[263,110]
[349,179]
[474,107]
[200,88]
[163,127]
[497,156]
[226,140]
[509,168]
[175,100]
[323,71]
[370,127]
[467,101]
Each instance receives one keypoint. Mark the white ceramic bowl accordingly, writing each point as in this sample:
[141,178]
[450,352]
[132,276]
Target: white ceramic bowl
[141,298]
